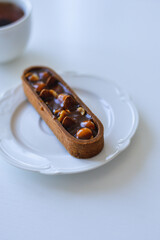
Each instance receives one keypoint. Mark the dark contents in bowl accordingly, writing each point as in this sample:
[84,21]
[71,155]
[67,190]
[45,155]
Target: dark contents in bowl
[9,13]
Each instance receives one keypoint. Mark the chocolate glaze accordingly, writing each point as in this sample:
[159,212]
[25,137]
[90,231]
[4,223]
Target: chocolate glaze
[51,82]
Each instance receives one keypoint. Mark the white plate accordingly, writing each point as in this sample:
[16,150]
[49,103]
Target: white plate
[28,143]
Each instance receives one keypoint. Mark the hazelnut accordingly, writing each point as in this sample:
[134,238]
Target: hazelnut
[62,115]
[88,124]
[84,133]
[58,88]
[44,75]
[81,110]
[60,109]
[67,110]
[40,86]
[51,82]
[68,122]
[57,110]
[33,77]
[47,95]
[62,97]
[67,101]
[53,93]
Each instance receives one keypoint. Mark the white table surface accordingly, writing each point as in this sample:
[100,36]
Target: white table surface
[118,40]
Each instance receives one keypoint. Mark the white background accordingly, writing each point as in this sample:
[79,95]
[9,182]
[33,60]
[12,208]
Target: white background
[118,40]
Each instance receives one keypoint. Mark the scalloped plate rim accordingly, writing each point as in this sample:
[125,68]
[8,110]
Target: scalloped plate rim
[119,149]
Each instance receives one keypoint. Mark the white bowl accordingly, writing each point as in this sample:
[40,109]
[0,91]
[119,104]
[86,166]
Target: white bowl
[14,37]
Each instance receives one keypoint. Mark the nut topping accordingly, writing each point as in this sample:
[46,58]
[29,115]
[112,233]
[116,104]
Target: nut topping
[40,86]
[53,93]
[47,95]
[44,75]
[84,133]
[57,110]
[67,110]
[67,101]
[51,81]
[60,109]
[58,88]
[62,97]
[88,124]
[33,77]
[68,122]
[81,110]
[62,115]
[63,105]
